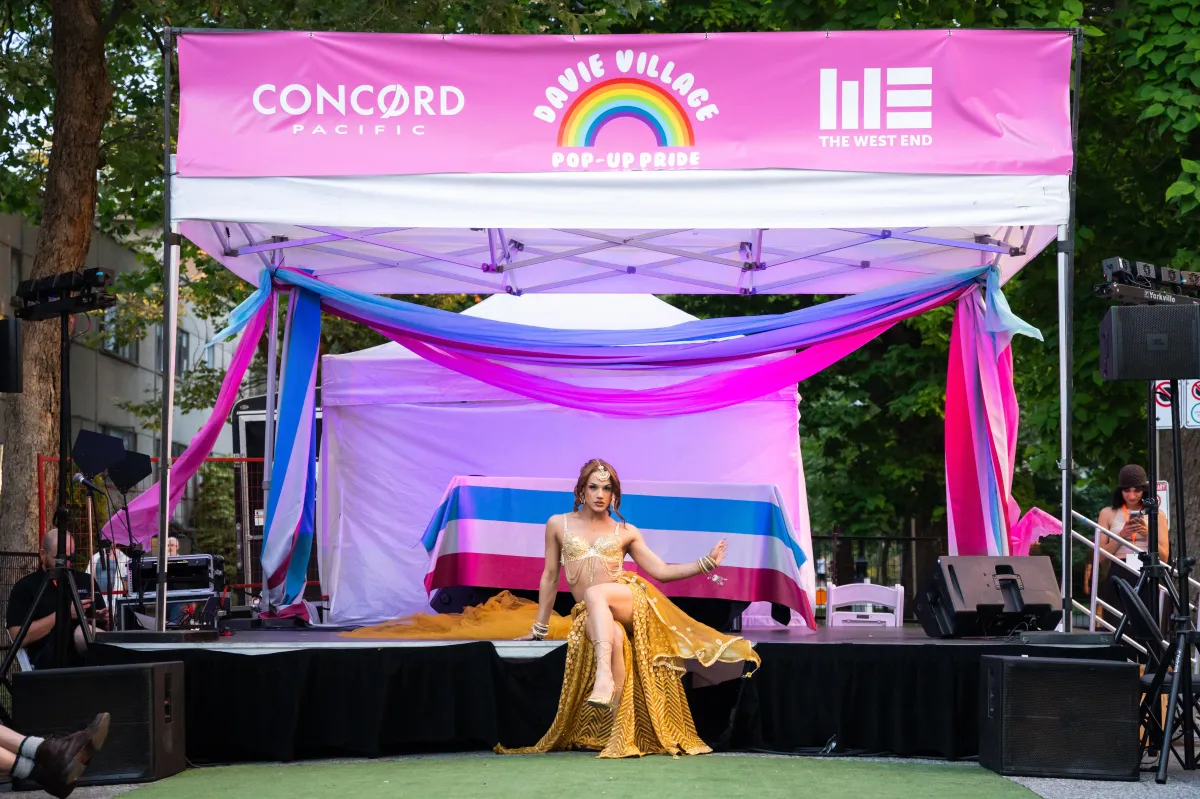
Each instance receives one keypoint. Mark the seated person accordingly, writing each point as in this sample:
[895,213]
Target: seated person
[39,640]
[54,762]
[172,547]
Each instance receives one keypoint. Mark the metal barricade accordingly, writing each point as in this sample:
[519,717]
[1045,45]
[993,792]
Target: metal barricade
[1099,553]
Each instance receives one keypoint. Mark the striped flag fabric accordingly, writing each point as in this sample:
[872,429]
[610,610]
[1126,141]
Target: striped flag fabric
[490,532]
[291,504]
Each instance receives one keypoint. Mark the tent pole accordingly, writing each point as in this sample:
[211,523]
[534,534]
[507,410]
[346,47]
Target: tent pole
[1065,390]
[1066,338]
[170,256]
[264,605]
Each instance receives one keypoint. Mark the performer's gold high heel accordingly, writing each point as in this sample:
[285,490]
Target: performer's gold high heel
[603,660]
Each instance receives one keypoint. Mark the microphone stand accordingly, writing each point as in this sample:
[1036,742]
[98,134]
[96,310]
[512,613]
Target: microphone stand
[58,577]
[135,556]
[106,546]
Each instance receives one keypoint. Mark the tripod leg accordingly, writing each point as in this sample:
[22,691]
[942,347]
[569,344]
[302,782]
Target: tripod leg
[1189,721]
[20,638]
[1164,758]
[83,625]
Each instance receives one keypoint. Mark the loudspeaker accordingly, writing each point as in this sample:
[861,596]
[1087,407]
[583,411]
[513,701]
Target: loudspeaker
[1150,342]
[10,356]
[969,596]
[1050,717]
[146,737]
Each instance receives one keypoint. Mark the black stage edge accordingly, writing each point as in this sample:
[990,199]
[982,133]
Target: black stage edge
[156,637]
[908,699]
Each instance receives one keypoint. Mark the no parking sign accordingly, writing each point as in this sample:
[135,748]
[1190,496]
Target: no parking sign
[1162,404]
[1191,403]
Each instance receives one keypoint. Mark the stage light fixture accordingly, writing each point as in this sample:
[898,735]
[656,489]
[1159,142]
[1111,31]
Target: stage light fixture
[1169,276]
[64,293]
[1190,282]
[1142,282]
[1117,270]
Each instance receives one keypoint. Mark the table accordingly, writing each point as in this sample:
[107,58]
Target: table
[490,532]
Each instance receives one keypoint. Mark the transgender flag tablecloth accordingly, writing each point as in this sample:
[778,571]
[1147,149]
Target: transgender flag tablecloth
[490,532]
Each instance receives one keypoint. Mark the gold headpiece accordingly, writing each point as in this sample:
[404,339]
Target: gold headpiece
[603,474]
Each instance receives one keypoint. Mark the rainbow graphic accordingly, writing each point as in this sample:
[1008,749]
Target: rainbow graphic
[626,97]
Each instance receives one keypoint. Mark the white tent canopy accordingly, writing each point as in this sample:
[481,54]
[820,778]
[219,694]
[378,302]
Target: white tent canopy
[812,235]
[821,162]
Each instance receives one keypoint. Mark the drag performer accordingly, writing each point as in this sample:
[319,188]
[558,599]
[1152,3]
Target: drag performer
[622,691]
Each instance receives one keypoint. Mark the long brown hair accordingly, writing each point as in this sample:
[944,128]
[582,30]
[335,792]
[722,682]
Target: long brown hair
[588,469]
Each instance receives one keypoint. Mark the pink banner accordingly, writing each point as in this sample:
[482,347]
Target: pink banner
[309,104]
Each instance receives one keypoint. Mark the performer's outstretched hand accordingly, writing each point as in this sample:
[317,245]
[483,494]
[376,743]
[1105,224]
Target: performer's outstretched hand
[526,637]
[718,552]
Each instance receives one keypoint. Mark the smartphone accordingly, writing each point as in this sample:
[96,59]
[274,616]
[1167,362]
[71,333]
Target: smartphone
[85,594]
[1137,514]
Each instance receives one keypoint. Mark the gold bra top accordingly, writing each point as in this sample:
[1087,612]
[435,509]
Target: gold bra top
[578,553]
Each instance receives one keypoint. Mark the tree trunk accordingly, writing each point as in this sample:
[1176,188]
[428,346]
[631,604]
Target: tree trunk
[81,101]
[1191,489]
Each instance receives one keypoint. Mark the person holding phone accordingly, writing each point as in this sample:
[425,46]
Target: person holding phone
[39,642]
[1126,517]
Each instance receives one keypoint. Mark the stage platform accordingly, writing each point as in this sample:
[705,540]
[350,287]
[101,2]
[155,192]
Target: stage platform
[293,693]
[268,642]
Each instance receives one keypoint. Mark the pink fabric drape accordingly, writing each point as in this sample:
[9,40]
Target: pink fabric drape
[1033,525]
[981,431]
[710,392]
[694,396]
[141,524]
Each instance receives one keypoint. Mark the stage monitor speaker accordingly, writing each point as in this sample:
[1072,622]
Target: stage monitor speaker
[1050,717]
[146,737]
[1150,342]
[981,595]
[10,356]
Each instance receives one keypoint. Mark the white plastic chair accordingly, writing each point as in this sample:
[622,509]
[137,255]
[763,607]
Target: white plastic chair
[841,596]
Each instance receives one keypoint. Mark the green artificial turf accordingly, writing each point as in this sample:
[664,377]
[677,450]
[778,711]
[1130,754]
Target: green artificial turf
[580,776]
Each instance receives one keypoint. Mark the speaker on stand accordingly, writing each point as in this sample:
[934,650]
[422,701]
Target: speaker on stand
[1161,341]
[1150,342]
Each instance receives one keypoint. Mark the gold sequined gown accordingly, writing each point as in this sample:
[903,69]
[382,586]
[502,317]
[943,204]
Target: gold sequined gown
[652,714]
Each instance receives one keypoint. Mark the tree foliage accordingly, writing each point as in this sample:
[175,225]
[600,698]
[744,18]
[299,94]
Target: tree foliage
[877,413]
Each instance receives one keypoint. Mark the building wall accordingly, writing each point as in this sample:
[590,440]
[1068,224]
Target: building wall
[100,379]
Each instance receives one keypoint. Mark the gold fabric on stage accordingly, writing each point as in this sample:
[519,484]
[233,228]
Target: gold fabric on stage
[652,714]
[502,618]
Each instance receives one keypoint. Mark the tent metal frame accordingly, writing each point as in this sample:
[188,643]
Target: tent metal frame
[505,256]
[745,258]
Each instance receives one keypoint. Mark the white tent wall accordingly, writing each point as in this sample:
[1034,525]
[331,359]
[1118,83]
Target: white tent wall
[398,428]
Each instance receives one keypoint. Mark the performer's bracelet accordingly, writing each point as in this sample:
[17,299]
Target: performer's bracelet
[540,631]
